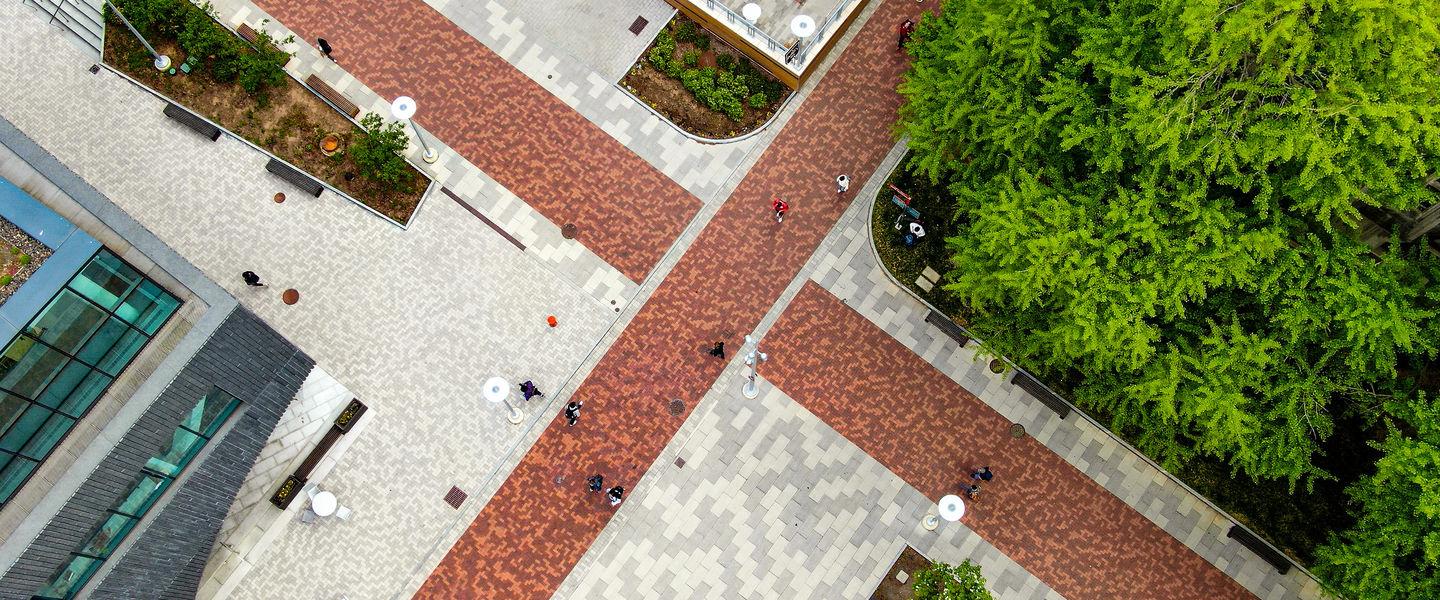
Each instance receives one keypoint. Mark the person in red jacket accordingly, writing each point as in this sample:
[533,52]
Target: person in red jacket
[906,28]
[780,207]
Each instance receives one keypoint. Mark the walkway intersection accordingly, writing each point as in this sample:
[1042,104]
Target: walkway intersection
[808,491]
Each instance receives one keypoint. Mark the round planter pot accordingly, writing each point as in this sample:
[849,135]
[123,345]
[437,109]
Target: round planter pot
[330,145]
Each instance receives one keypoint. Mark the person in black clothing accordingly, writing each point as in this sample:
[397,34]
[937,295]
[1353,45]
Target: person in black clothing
[615,494]
[572,413]
[597,482]
[718,350]
[325,49]
[982,474]
[530,390]
[972,490]
[251,279]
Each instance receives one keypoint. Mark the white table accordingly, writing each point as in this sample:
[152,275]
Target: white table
[324,504]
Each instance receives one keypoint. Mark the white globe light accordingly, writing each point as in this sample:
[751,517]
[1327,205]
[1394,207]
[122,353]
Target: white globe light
[496,389]
[403,108]
[952,508]
[803,26]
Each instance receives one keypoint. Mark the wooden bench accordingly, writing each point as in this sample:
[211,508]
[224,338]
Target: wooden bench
[249,34]
[295,176]
[1051,400]
[948,327]
[1260,548]
[336,99]
[192,120]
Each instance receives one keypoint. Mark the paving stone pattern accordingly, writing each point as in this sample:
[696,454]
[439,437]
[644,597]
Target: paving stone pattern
[848,267]
[531,531]
[572,172]
[510,31]
[410,320]
[771,503]
[1040,511]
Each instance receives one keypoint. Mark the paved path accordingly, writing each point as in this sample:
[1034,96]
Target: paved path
[1041,512]
[533,530]
[528,140]
[595,32]
[759,498]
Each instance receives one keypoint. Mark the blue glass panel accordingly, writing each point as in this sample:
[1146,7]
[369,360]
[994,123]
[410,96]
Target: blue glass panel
[70,578]
[66,322]
[103,340]
[64,383]
[148,307]
[85,394]
[124,350]
[13,475]
[210,412]
[108,536]
[27,365]
[49,434]
[105,280]
[146,490]
[24,427]
[171,459]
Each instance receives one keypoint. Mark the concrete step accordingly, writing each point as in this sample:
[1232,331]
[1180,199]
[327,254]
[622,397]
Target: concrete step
[81,18]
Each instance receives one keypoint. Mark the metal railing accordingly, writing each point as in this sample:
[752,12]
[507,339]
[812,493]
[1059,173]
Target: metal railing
[820,32]
[771,44]
[70,21]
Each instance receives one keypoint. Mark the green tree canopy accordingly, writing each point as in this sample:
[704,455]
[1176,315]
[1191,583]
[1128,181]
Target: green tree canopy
[1155,199]
[1394,551]
[950,582]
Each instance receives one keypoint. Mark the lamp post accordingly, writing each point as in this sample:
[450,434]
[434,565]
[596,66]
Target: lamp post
[497,390]
[403,109]
[951,508]
[162,62]
[753,360]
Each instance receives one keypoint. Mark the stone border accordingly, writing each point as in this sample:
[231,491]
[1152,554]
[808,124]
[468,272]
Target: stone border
[429,187]
[870,237]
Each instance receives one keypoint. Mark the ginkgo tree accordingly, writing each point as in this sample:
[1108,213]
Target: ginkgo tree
[1155,201]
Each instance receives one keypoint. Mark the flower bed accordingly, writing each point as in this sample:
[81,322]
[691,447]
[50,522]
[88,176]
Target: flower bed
[244,89]
[20,256]
[702,85]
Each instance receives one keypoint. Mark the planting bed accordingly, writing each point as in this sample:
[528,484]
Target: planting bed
[20,256]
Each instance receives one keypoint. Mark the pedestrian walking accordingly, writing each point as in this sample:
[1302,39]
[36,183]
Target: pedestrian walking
[906,28]
[530,390]
[326,49]
[718,351]
[842,183]
[982,474]
[597,482]
[251,279]
[572,413]
[780,209]
[615,494]
[972,490]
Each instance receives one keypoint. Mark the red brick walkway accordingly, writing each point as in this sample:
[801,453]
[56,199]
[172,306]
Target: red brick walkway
[533,531]
[527,139]
[1040,511]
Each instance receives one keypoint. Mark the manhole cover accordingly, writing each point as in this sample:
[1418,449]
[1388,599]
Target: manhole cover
[279,197]
[1017,430]
[679,462]
[290,296]
[456,497]
[568,231]
[997,366]
[677,406]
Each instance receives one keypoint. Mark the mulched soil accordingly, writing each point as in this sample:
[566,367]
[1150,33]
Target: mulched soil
[14,244]
[290,123]
[670,98]
[890,588]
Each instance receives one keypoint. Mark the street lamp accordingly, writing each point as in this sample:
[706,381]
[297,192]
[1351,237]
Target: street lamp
[497,390]
[162,62]
[951,508]
[753,360]
[403,109]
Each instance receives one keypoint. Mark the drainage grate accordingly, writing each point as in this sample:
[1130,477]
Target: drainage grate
[456,497]
[639,25]
[1017,431]
[568,231]
[679,462]
[677,407]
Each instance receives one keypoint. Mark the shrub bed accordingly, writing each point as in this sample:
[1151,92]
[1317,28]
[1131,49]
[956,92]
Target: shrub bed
[702,85]
[245,89]
[20,256]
